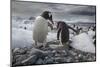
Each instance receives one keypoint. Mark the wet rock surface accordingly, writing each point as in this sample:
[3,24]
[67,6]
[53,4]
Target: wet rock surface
[37,56]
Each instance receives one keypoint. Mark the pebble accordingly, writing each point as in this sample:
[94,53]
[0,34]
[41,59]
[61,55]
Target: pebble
[27,56]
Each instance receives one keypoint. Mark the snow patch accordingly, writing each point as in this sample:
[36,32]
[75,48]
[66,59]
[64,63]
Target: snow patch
[21,38]
[91,34]
[83,42]
[51,36]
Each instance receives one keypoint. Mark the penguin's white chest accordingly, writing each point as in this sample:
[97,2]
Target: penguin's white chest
[40,29]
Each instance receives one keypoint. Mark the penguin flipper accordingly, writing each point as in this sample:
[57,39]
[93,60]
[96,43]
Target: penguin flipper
[58,33]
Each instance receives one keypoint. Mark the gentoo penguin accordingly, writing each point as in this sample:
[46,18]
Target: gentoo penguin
[40,29]
[63,32]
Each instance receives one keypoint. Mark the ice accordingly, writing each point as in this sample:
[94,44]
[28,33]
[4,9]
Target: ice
[91,33]
[83,42]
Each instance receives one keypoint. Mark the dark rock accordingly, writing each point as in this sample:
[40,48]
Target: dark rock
[49,55]
[49,60]
[60,59]
[30,60]
[15,50]
[69,59]
[19,51]
[39,61]
[73,53]
[53,42]
[21,58]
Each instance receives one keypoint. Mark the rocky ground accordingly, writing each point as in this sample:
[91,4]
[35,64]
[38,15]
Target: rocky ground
[52,54]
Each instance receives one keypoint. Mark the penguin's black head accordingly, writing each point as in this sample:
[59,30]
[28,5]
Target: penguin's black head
[61,24]
[47,15]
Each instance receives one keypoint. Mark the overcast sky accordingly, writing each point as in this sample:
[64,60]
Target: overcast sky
[65,12]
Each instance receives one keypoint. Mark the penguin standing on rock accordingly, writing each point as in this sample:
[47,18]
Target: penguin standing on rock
[63,32]
[40,29]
